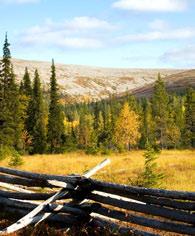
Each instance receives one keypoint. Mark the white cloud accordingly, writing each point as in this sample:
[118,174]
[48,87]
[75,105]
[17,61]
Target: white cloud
[183,56]
[151,5]
[158,24]
[18,1]
[79,32]
[85,22]
[172,34]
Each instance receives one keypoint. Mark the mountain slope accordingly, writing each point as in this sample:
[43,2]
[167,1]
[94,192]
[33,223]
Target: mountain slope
[93,83]
[84,82]
[176,82]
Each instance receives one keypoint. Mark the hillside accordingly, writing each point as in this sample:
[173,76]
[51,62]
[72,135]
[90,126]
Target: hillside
[175,82]
[84,82]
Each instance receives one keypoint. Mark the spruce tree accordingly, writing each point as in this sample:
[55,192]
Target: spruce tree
[148,125]
[36,118]
[86,131]
[56,117]
[160,102]
[150,177]
[193,118]
[189,130]
[100,128]
[26,84]
[11,111]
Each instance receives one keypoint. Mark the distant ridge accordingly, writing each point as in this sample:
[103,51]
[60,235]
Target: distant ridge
[79,83]
[177,82]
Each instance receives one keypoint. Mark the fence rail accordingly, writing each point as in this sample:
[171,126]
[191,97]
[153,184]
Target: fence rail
[73,200]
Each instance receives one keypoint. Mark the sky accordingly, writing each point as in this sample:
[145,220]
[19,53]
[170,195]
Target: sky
[107,33]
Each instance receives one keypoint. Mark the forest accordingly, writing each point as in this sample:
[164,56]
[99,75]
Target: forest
[33,121]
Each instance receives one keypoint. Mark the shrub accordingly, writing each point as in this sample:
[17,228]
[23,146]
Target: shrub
[106,151]
[92,150]
[150,177]
[16,159]
[5,152]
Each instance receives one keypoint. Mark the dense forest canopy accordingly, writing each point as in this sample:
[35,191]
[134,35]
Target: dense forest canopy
[30,122]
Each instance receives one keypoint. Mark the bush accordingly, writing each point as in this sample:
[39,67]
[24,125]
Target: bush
[10,152]
[92,150]
[5,152]
[150,177]
[106,151]
[16,159]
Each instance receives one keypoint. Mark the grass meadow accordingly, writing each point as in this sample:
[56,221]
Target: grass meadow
[178,166]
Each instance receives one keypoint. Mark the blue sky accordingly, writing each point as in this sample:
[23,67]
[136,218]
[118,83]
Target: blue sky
[109,33]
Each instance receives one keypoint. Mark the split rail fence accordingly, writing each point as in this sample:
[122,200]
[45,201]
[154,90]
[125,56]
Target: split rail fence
[77,200]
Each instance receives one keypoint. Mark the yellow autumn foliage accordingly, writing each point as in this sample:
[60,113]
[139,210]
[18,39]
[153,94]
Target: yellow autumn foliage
[127,127]
[70,124]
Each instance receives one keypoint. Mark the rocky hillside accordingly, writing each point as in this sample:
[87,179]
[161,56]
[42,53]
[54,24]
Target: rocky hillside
[84,82]
[175,82]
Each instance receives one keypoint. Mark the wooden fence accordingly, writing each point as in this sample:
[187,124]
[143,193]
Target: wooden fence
[76,200]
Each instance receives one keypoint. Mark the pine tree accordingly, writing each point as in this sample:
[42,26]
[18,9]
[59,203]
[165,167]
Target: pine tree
[175,122]
[11,111]
[25,92]
[160,102]
[100,128]
[148,125]
[56,117]
[86,130]
[150,177]
[109,121]
[26,84]
[36,118]
[193,118]
[189,132]
[6,69]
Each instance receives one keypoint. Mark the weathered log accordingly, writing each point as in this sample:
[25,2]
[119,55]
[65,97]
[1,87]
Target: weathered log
[126,191]
[25,196]
[25,182]
[175,215]
[36,176]
[55,208]
[148,222]
[120,230]
[166,202]
[65,220]
[14,188]
[171,203]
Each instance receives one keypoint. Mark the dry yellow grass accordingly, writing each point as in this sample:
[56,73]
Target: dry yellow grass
[178,166]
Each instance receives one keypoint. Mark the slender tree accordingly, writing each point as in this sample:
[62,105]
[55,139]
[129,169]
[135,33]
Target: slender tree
[189,131]
[36,118]
[148,125]
[85,131]
[160,102]
[56,117]
[151,176]
[26,83]
[10,108]
[127,127]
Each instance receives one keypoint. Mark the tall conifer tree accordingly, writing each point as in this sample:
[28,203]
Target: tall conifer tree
[10,109]
[26,82]
[189,131]
[56,117]
[147,125]
[36,117]
[160,102]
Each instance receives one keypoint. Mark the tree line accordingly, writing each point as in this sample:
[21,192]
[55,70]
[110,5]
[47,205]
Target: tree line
[166,120]
[30,122]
